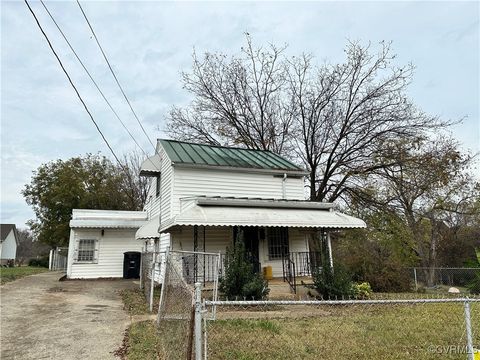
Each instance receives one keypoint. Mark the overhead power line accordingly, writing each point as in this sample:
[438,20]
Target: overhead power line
[113,73]
[72,84]
[92,79]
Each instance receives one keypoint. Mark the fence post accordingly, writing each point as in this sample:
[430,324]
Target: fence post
[198,321]
[415,277]
[152,280]
[468,327]
[163,279]
[50,260]
[141,270]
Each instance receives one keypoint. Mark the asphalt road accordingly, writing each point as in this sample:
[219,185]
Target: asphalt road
[43,318]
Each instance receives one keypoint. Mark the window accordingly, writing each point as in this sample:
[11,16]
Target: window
[277,242]
[86,250]
[158,185]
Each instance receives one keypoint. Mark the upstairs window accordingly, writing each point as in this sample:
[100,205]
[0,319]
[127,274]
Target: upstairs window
[157,182]
[86,250]
[277,238]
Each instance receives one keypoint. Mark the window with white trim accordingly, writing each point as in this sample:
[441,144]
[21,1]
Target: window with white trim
[277,238]
[86,250]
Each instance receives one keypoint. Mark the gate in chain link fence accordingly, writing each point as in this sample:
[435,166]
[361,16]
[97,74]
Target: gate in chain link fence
[357,329]
[151,275]
[467,280]
[176,314]
[58,259]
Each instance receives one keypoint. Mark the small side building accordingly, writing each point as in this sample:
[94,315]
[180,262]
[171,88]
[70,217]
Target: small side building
[8,243]
[102,244]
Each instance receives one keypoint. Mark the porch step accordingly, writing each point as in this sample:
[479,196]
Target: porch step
[280,291]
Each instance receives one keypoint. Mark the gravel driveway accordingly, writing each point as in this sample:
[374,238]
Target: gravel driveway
[42,318]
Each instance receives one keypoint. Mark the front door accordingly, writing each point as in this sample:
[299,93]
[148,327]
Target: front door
[250,239]
[131,265]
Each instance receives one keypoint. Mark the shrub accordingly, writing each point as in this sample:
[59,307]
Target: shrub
[333,283]
[39,262]
[474,285]
[362,291]
[240,280]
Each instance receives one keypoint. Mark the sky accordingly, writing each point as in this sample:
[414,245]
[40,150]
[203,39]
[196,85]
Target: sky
[150,43]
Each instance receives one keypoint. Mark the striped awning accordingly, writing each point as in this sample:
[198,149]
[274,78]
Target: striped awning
[262,216]
[149,230]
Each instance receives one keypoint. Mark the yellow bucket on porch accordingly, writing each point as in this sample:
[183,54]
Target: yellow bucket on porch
[267,273]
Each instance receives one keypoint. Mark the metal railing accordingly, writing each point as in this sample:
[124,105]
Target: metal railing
[300,264]
[289,273]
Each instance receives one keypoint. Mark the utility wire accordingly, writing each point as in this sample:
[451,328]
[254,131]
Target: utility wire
[92,79]
[113,73]
[73,85]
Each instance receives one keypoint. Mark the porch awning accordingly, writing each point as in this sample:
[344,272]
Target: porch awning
[258,216]
[149,230]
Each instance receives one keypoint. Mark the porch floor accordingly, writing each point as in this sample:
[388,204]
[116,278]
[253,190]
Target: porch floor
[279,290]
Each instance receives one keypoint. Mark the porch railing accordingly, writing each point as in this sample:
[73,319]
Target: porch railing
[300,264]
[289,274]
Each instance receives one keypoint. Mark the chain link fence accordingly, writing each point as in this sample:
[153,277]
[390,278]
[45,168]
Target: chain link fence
[194,324]
[343,329]
[150,276]
[465,280]
[176,314]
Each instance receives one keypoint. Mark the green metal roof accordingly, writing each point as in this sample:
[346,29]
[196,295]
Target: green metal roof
[210,155]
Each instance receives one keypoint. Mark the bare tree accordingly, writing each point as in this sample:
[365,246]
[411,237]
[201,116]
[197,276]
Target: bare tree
[133,184]
[336,119]
[237,101]
[28,247]
[346,113]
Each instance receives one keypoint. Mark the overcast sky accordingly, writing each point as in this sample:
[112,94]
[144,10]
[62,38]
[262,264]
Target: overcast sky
[149,43]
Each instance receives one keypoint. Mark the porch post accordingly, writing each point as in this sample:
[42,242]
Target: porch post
[195,249]
[329,247]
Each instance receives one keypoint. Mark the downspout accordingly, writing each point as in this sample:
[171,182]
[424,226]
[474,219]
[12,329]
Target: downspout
[284,189]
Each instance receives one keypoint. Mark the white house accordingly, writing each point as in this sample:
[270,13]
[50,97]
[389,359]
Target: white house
[102,244]
[202,197]
[8,243]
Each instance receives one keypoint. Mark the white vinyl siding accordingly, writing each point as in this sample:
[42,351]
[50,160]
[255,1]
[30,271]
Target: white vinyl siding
[110,250]
[216,239]
[208,182]
[8,249]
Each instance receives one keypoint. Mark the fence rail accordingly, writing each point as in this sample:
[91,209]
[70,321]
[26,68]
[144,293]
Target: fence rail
[332,329]
[465,279]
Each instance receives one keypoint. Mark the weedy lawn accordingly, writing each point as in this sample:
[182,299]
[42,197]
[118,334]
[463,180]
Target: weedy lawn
[424,331]
[14,273]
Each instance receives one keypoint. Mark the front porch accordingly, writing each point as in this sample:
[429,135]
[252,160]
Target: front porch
[278,234]
[293,269]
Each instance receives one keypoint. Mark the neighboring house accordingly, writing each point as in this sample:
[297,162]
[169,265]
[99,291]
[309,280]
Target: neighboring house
[102,244]
[8,243]
[203,197]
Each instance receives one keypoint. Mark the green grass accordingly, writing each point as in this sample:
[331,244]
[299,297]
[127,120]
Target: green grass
[369,332]
[397,332]
[135,303]
[142,341]
[11,274]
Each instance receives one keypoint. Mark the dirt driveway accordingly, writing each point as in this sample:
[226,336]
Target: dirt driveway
[42,318]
